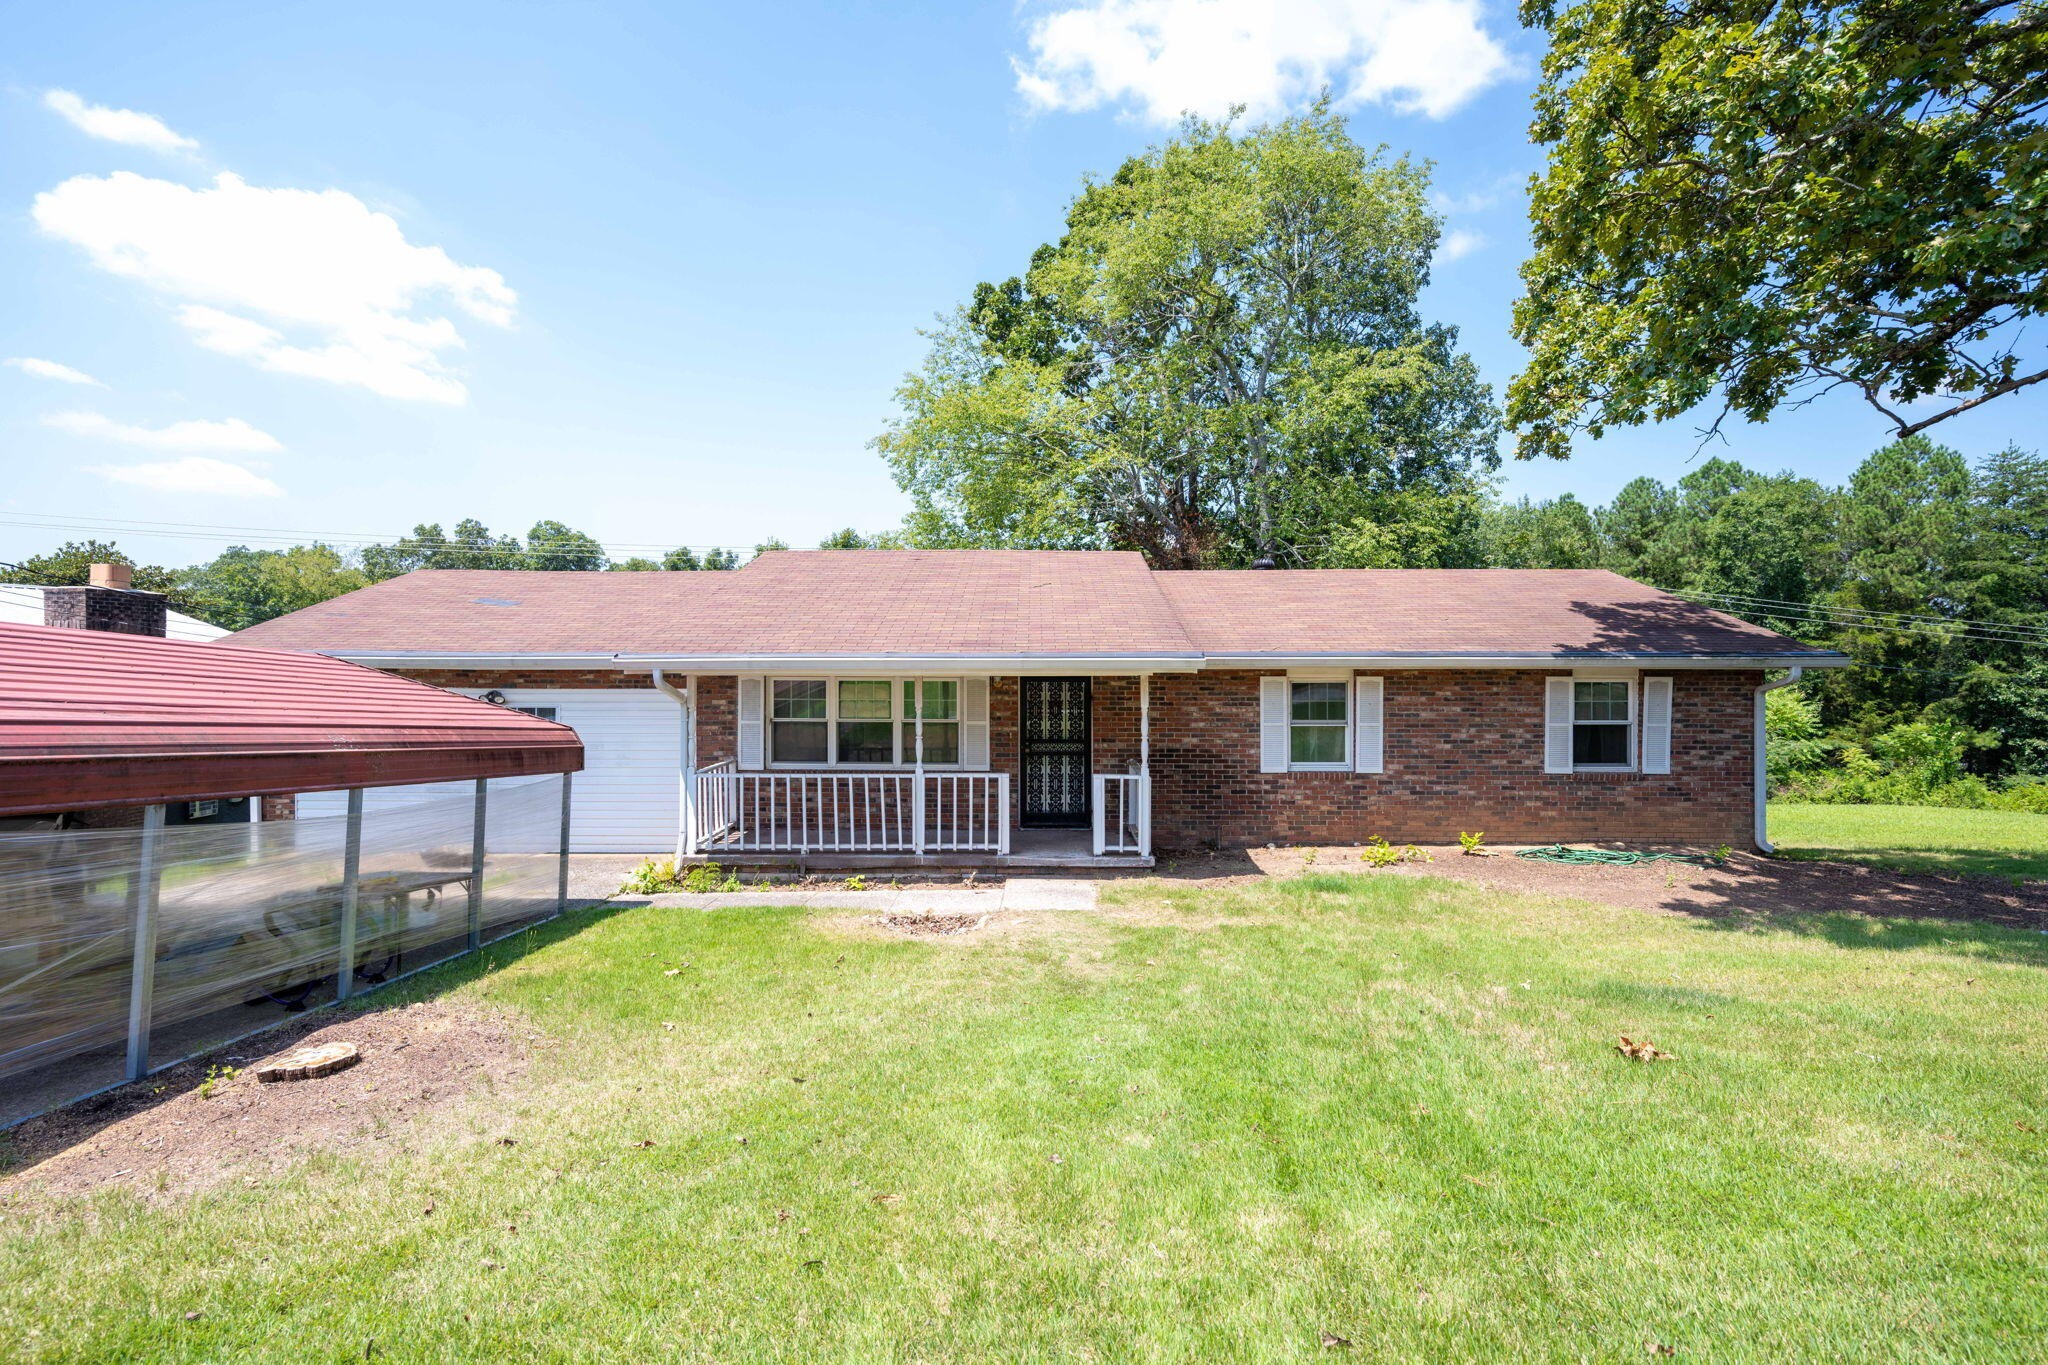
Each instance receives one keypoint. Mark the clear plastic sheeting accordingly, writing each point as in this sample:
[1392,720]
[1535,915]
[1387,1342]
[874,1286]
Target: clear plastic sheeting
[249,925]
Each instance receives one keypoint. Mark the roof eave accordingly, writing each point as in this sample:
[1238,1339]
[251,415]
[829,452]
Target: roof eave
[1819,658]
[1031,663]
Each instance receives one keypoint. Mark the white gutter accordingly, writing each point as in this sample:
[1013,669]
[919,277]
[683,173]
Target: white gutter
[390,659]
[1761,777]
[686,803]
[1816,659]
[1054,664]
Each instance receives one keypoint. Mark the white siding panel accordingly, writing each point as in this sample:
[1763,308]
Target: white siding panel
[626,799]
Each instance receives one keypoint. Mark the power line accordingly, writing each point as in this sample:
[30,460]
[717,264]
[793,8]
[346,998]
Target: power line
[1989,632]
[1863,613]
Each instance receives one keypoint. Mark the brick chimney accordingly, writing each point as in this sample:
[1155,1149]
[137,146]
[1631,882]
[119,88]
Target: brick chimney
[106,603]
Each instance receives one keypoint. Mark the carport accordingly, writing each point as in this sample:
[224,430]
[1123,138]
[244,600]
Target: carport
[128,941]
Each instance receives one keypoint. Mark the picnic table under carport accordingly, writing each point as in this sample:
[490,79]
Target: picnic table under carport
[101,733]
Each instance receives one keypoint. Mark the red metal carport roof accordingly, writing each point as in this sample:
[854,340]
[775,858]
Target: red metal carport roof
[89,718]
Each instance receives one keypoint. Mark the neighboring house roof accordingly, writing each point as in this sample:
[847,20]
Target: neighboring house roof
[22,604]
[995,607]
[91,718]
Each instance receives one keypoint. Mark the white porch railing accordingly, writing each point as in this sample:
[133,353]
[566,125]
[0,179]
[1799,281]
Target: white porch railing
[1123,813]
[850,812]
[711,806]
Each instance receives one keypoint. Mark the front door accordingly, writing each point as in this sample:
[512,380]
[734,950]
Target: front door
[1053,743]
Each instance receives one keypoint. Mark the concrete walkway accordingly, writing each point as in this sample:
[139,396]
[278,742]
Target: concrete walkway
[1018,893]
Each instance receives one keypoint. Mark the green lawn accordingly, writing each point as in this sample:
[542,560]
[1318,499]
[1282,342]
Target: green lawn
[1916,838]
[1209,1126]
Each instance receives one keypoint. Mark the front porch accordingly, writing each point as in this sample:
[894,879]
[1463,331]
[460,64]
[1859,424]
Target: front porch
[913,820]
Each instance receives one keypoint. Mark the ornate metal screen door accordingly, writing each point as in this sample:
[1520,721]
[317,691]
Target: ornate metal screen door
[1053,740]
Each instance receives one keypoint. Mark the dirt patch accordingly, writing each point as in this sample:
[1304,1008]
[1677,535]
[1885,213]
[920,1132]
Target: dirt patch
[933,926]
[176,1132]
[1746,884]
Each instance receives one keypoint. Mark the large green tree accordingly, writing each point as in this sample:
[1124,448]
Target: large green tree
[1768,198]
[240,586]
[70,564]
[1221,359]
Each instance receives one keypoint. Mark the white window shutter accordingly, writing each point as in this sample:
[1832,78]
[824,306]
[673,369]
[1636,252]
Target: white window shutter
[1272,725]
[1656,725]
[1368,726]
[1557,725]
[974,723]
[752,747]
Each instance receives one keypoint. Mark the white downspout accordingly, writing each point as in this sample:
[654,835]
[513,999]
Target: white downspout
[1763,842]
[686,813]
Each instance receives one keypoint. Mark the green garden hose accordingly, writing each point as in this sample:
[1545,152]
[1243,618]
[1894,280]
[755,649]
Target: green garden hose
[1601,857]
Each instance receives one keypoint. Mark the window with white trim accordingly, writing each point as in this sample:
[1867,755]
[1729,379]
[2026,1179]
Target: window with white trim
[1319,725]
[1603,724]
[861,722]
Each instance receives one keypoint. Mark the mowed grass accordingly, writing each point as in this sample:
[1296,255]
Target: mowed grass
[1917,838]
[1198,1126]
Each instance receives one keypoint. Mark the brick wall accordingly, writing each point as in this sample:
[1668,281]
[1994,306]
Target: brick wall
[120,610]
[1463,751]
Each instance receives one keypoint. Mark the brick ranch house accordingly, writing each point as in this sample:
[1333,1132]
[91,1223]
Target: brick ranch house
[1069,707]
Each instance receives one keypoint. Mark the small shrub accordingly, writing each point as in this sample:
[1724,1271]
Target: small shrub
[1723,852]
[703,877]
[1470,842]
[651,878]
[1379,853]
[216,1077]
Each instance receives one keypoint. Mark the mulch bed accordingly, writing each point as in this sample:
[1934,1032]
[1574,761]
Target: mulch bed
[163,1136]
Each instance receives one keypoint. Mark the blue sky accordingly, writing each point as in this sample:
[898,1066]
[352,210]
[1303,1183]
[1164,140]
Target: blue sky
[650,270]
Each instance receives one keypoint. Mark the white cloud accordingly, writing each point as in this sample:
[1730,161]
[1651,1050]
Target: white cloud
[124,126]
[303,282]
[50,369]
[193,474]
[233,436]
[1480,200]
[1163,58]
[1459,243]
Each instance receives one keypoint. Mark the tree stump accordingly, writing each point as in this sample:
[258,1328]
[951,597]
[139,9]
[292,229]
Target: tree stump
[306,1063]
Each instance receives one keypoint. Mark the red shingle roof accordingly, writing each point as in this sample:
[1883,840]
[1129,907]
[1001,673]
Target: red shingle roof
[1011,603]
[89,718]
[1450,611]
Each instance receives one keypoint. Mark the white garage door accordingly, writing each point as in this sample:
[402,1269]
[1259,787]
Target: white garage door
[625,799]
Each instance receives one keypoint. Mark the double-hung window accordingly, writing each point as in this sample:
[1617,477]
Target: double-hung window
[1603,723]
[862,722]
[1319,725]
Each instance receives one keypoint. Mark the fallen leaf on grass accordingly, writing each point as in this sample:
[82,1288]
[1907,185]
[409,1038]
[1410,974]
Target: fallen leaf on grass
[1641,1052]
[888,1199]
[192,1316]
[2025,1127]
[669,1027]
[783,1215]
[428,1211]
[508,1142]
[673,971]
[644,1142]
[1332,1342]
[1658,1348]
